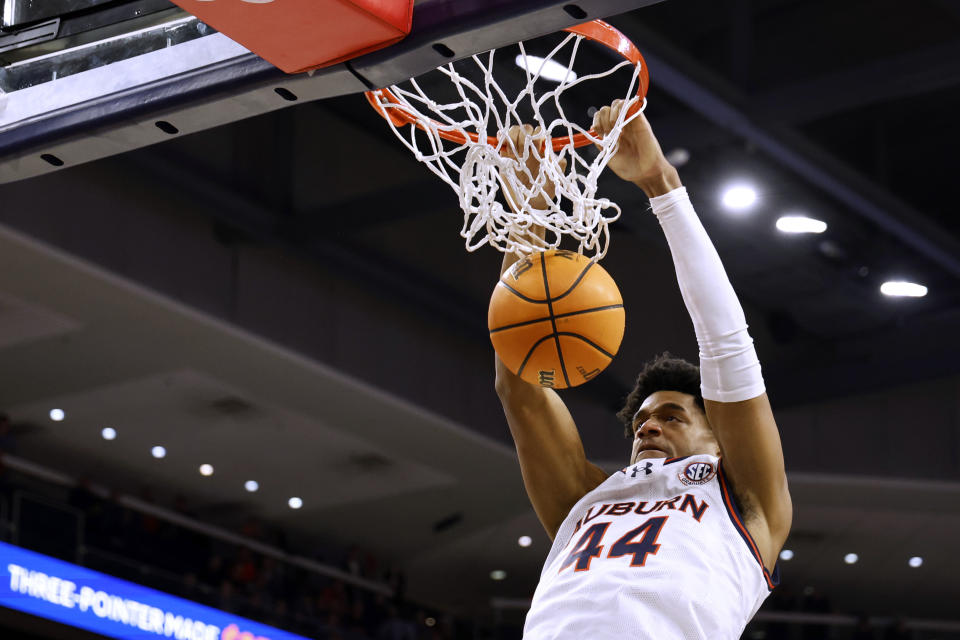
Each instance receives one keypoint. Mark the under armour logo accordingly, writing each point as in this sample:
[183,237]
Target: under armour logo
[647,469]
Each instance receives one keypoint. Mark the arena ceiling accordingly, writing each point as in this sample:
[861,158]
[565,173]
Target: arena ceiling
[308,266]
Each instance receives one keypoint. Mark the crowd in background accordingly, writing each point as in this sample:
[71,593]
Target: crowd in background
[147,550]
[813,601]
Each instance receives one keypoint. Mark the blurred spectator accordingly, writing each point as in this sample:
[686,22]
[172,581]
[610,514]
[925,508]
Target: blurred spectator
[227,598]
[244,571]
[357,622]
[395,628]
[214,572]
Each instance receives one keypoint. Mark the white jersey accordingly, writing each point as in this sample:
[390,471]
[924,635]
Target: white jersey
[657,551]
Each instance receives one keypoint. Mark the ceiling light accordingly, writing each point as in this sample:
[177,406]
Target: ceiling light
[158,452]
[800,224]
[295,503]
[786,554]
[903,289]
[915,561]
[525,541]
[739,197]
[678,157]
[57,415]
[851,558]
[251,485]
[109,433]
[206,469]
[498,574]
[548,69]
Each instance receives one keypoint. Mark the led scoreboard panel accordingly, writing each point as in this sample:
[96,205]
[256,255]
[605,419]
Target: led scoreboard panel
[78,597]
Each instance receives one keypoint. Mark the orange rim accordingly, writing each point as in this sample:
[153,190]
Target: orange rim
[596,30]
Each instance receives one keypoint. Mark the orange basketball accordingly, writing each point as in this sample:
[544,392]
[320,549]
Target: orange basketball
[556,319]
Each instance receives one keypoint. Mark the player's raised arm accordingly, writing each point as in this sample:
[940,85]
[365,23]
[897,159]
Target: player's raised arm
[555,469]
[731,383]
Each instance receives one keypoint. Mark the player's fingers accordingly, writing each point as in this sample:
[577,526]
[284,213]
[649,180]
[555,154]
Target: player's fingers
[615,108]
[514,142]
[600,122]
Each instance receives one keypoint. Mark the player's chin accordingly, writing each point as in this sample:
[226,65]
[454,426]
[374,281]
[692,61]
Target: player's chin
[650,453]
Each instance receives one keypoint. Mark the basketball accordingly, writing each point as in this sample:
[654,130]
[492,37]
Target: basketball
[556,319]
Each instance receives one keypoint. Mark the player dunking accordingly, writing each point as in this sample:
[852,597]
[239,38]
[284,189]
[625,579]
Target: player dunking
[682,543]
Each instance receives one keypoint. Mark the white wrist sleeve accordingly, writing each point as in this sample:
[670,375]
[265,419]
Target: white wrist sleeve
[729,368]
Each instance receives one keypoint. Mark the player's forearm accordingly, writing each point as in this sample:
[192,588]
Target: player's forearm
[729,368]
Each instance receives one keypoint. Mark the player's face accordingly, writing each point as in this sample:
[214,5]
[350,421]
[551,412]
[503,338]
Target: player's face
[669,424]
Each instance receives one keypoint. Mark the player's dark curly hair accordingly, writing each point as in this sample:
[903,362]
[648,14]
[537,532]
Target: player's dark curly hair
[663,373]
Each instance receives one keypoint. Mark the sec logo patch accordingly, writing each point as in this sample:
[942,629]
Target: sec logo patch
[697,473]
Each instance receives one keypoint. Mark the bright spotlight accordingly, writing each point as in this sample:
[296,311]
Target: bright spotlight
[206,469]
[57,415]
[786,554]
[109,433]
[903,289]
[800,224]
[851,558]
[525,541]
[548,69]
[915,561]
[295,503]
[251,485]
[158,452]
[739,197]
[498,574]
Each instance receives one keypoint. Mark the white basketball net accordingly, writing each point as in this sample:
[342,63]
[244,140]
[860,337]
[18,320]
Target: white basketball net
[483,171]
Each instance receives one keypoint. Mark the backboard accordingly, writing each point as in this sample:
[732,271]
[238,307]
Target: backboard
[148,71]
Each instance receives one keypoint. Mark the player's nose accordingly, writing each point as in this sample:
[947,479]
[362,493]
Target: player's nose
[650,428]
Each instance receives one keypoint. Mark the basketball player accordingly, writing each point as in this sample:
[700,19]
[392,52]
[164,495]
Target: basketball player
[683,542]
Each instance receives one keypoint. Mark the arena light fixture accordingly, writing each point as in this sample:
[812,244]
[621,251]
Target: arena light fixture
[206,469]
[251,485]
[158,452]
[498,574]
[109,433]
[57,415]
[786,554]
[739,197]
[915,561]
[851,558]
[295,502]
[548,69]
[902,289]
[524,541]
[678,157]
[800,224]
